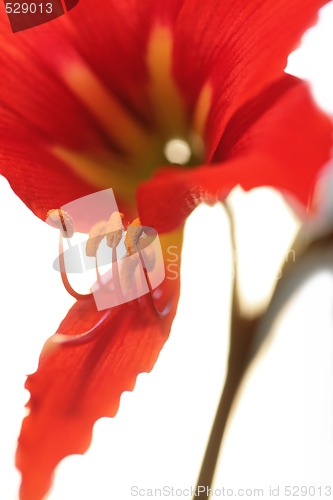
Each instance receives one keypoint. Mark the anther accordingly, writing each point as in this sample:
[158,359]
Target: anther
[96,234]
[114,229]
[131,262]
[62,220]
[114,232]
[134,243]
[134,232]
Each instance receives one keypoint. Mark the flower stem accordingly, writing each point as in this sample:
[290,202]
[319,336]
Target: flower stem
[242,331]
[246,339]
[238,356]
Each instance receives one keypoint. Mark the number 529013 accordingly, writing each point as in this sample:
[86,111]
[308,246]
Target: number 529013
[28,8]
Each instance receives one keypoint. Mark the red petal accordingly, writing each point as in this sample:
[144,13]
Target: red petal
[239,47]
[110,39]
[38,110]
[280,139]
[32,95]
[76,385]
[235,45]
[40,180]
[37,54]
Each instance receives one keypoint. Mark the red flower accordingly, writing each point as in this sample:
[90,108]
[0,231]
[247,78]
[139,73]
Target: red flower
[89,101]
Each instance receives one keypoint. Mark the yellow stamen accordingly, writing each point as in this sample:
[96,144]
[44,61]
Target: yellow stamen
[164,93]
[202,110]
[120,125]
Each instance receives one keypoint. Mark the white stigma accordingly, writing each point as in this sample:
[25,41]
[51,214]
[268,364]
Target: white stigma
[177,151]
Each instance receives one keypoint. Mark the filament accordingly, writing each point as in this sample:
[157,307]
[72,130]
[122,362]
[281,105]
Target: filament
[115,277]
[159,313]
[89,335]
[63,273]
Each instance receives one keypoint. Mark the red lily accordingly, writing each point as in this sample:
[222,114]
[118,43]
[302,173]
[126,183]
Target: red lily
[89,101]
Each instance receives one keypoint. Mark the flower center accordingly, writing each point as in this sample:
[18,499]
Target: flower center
[134,148]
[177,151]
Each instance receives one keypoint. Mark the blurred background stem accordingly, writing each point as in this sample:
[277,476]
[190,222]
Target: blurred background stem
[247,335]
[241,334]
